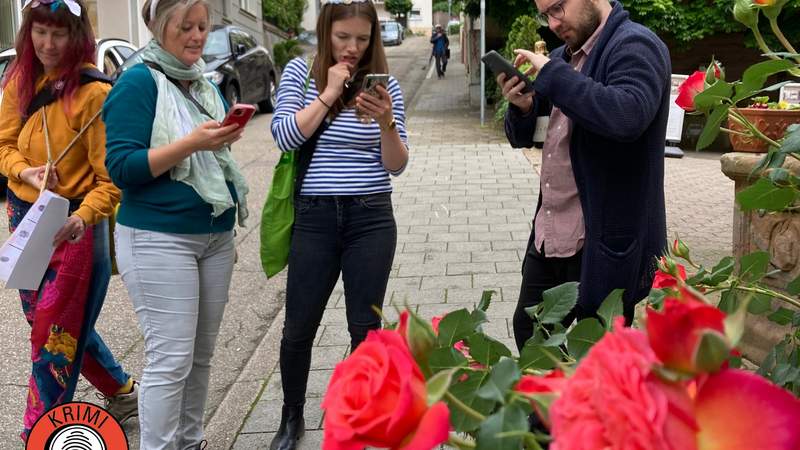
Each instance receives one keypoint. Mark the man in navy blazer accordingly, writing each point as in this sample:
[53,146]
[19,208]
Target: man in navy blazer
[600,218]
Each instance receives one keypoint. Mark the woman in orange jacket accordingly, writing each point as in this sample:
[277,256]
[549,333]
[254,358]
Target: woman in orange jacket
[52,96]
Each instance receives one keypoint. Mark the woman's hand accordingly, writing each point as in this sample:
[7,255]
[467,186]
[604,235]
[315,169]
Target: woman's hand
[337,76]
[211,136]
[378,108]
[72,231]
[34,176]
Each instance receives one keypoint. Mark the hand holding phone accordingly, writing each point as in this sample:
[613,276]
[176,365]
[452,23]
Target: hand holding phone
[239,114]
[498,65]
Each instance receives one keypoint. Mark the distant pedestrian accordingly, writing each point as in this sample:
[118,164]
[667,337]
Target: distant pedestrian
[601,216]
[344,223]
[441,50]
[52,91]
[182,191]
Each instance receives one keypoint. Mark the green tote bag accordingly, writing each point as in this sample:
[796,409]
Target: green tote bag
[277,216]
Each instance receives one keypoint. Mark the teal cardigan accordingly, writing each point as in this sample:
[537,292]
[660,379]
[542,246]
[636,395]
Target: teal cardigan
[150,203]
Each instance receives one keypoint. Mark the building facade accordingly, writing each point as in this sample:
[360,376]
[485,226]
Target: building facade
[123,19]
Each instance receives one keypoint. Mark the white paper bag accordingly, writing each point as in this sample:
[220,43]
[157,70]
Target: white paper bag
[26,254]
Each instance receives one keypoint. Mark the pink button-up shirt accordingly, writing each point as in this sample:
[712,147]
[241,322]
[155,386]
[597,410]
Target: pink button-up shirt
[559,226]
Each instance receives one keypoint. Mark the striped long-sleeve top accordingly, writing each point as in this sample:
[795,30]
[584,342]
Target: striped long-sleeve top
[347,158]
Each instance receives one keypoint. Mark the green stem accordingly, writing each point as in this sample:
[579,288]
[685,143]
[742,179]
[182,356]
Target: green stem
[459,442]
[762,44]
[729,131]
[771,293]
[773,23]
[466,409]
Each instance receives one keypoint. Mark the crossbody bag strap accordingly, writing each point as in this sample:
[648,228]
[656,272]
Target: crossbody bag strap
[181,88]
[46,96]
[306,151]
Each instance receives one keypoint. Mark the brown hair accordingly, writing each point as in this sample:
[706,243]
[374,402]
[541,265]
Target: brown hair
[373,61]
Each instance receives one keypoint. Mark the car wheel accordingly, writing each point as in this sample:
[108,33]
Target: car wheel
[268,105]
[232,94]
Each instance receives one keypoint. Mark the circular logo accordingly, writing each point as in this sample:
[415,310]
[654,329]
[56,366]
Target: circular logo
[77,426]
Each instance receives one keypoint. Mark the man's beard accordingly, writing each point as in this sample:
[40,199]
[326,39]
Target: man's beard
[588,23]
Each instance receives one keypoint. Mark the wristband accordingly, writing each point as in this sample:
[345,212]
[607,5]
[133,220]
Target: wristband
[323,102]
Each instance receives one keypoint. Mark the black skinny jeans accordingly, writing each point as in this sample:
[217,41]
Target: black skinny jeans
[352,235]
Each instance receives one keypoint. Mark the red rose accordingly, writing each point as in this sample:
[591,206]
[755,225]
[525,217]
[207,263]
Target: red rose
[674,334]
[531,384]
[689,89]
[377,398]
[614,401]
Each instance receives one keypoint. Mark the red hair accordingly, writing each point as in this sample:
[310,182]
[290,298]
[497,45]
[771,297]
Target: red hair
[27,68]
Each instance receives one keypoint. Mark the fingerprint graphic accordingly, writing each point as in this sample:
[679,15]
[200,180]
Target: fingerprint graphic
[77,437]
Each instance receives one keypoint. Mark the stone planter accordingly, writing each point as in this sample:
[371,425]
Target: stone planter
[771,122]
[775,233]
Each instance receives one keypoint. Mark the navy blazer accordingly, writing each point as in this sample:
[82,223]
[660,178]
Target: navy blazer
[618,104]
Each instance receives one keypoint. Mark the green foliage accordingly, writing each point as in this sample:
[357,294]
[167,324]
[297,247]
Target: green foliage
[285,14]
[454,28]
[523,34]
[398,7]
[285,51]
[440,6]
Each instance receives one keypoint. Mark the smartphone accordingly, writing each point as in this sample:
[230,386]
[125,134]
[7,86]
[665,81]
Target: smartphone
[498,65]
[240,114]
[372,80]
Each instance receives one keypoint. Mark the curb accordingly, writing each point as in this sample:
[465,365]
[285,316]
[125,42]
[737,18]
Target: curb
[223,427]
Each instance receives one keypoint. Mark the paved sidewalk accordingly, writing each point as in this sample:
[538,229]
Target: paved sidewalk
[463,210]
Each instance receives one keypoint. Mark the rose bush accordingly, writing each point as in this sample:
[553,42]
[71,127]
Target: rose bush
[672,385]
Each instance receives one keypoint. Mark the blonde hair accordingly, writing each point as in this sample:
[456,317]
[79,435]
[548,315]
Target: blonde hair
[157,20]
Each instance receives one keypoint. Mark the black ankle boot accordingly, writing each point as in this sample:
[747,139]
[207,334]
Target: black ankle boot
[292,428]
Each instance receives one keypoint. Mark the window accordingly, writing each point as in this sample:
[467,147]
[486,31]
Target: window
[415,15]
[250,6]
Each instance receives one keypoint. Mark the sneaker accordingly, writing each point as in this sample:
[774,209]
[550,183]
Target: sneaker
[122,406]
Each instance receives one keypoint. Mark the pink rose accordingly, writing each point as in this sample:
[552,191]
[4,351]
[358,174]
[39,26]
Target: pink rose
[377,398]
[614,401]
[675,333]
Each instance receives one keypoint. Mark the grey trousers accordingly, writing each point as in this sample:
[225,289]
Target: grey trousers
[178,284]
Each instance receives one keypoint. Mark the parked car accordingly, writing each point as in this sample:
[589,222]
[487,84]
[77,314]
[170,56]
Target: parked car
[391,33]
[243,70]
[111,54]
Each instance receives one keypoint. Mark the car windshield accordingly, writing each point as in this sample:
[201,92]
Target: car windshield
[389,27]
[217,43]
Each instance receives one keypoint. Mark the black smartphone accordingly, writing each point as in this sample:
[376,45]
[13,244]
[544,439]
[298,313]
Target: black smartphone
[498,65]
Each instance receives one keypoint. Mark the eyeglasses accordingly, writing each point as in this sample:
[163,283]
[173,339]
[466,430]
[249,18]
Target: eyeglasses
[556,12]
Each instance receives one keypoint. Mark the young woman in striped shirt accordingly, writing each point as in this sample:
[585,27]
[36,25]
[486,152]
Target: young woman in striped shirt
[343,211]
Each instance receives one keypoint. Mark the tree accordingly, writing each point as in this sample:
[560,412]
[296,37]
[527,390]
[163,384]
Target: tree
[285,14]
[400,9]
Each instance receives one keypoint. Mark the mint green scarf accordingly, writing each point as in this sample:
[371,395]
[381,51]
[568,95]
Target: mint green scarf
[205,171]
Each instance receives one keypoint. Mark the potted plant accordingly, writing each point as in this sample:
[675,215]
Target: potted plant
[754,124]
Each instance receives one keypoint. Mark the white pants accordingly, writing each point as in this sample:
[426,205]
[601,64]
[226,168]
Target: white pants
[178,284]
